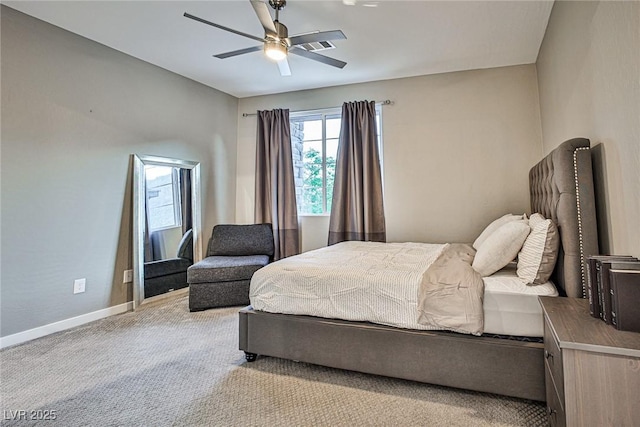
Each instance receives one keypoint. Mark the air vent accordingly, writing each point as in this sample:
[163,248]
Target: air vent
[316,46]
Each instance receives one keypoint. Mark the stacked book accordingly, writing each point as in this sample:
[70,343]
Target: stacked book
[614,290]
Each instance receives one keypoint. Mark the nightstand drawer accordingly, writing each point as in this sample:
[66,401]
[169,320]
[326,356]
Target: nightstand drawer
[553,360]
[555,410]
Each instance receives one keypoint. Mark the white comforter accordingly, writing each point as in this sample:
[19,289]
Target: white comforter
[367,281]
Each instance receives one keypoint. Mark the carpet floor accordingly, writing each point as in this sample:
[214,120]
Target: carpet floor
[164,366]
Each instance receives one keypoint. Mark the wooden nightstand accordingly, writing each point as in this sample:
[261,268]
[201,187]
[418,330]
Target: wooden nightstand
[592,370]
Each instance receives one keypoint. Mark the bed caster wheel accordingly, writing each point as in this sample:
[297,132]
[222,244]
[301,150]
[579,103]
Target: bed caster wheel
[251,357]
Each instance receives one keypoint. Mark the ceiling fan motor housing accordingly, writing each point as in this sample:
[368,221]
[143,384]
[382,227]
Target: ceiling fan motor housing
[282,32]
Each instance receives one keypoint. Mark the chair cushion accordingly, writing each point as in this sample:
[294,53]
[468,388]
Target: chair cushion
[240,240]
[225,268]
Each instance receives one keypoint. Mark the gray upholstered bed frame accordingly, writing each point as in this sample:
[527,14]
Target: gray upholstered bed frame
[562,189]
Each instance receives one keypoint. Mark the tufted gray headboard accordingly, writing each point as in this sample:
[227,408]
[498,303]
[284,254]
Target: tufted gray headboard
[561,187]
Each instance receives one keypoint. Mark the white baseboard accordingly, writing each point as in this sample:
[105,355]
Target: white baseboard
[63,325]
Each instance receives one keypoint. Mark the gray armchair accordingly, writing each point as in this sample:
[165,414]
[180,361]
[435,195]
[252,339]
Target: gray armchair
[235,252]
[169,274]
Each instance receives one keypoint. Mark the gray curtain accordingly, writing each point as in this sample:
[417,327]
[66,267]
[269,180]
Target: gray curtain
[275,201]
[185,200]
[357,210]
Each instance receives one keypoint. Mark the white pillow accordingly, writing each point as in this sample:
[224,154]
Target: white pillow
[501,247]
[494,226]
[539,252]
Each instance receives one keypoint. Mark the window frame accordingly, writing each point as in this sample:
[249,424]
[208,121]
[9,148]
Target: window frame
[324,114]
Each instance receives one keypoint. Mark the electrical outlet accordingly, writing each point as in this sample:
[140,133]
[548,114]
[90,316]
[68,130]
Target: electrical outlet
[128,276]
[79,285]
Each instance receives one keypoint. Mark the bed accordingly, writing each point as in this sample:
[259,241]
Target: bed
[561,188]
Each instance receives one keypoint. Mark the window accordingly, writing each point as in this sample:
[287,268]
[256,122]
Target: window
[163,197]
[314,139]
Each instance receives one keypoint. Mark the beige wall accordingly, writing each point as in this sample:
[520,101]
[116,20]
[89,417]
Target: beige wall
[589,83]
[73,112]
[457,149]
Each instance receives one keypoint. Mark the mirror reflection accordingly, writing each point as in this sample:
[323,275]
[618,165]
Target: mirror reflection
[166,224]
[168,239]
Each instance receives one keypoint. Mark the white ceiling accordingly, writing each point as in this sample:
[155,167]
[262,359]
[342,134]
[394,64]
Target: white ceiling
[391,40]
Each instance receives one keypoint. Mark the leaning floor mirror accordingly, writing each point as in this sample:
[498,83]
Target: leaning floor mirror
[166,224]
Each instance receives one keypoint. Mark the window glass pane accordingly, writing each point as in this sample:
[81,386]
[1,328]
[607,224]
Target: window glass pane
[162,200]
[312,129]
[312,179]
[161,196]
[161,217]
[163,179]
[311,200]
[332,149]
[333,127]
[313,146]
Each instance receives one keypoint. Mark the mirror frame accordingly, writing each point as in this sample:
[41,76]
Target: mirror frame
[139,212]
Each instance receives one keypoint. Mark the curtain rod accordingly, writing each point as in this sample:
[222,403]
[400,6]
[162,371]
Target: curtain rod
[385,102]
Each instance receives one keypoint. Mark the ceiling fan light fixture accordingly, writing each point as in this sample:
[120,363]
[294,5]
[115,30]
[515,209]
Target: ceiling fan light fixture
[276,49]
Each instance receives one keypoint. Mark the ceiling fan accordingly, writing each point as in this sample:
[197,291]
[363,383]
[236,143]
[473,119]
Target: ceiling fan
[276,42]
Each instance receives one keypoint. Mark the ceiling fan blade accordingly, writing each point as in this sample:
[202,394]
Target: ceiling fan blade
[283,66]
[317,57]
[238,52]
[262,10]
[231,30]
[317,37]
